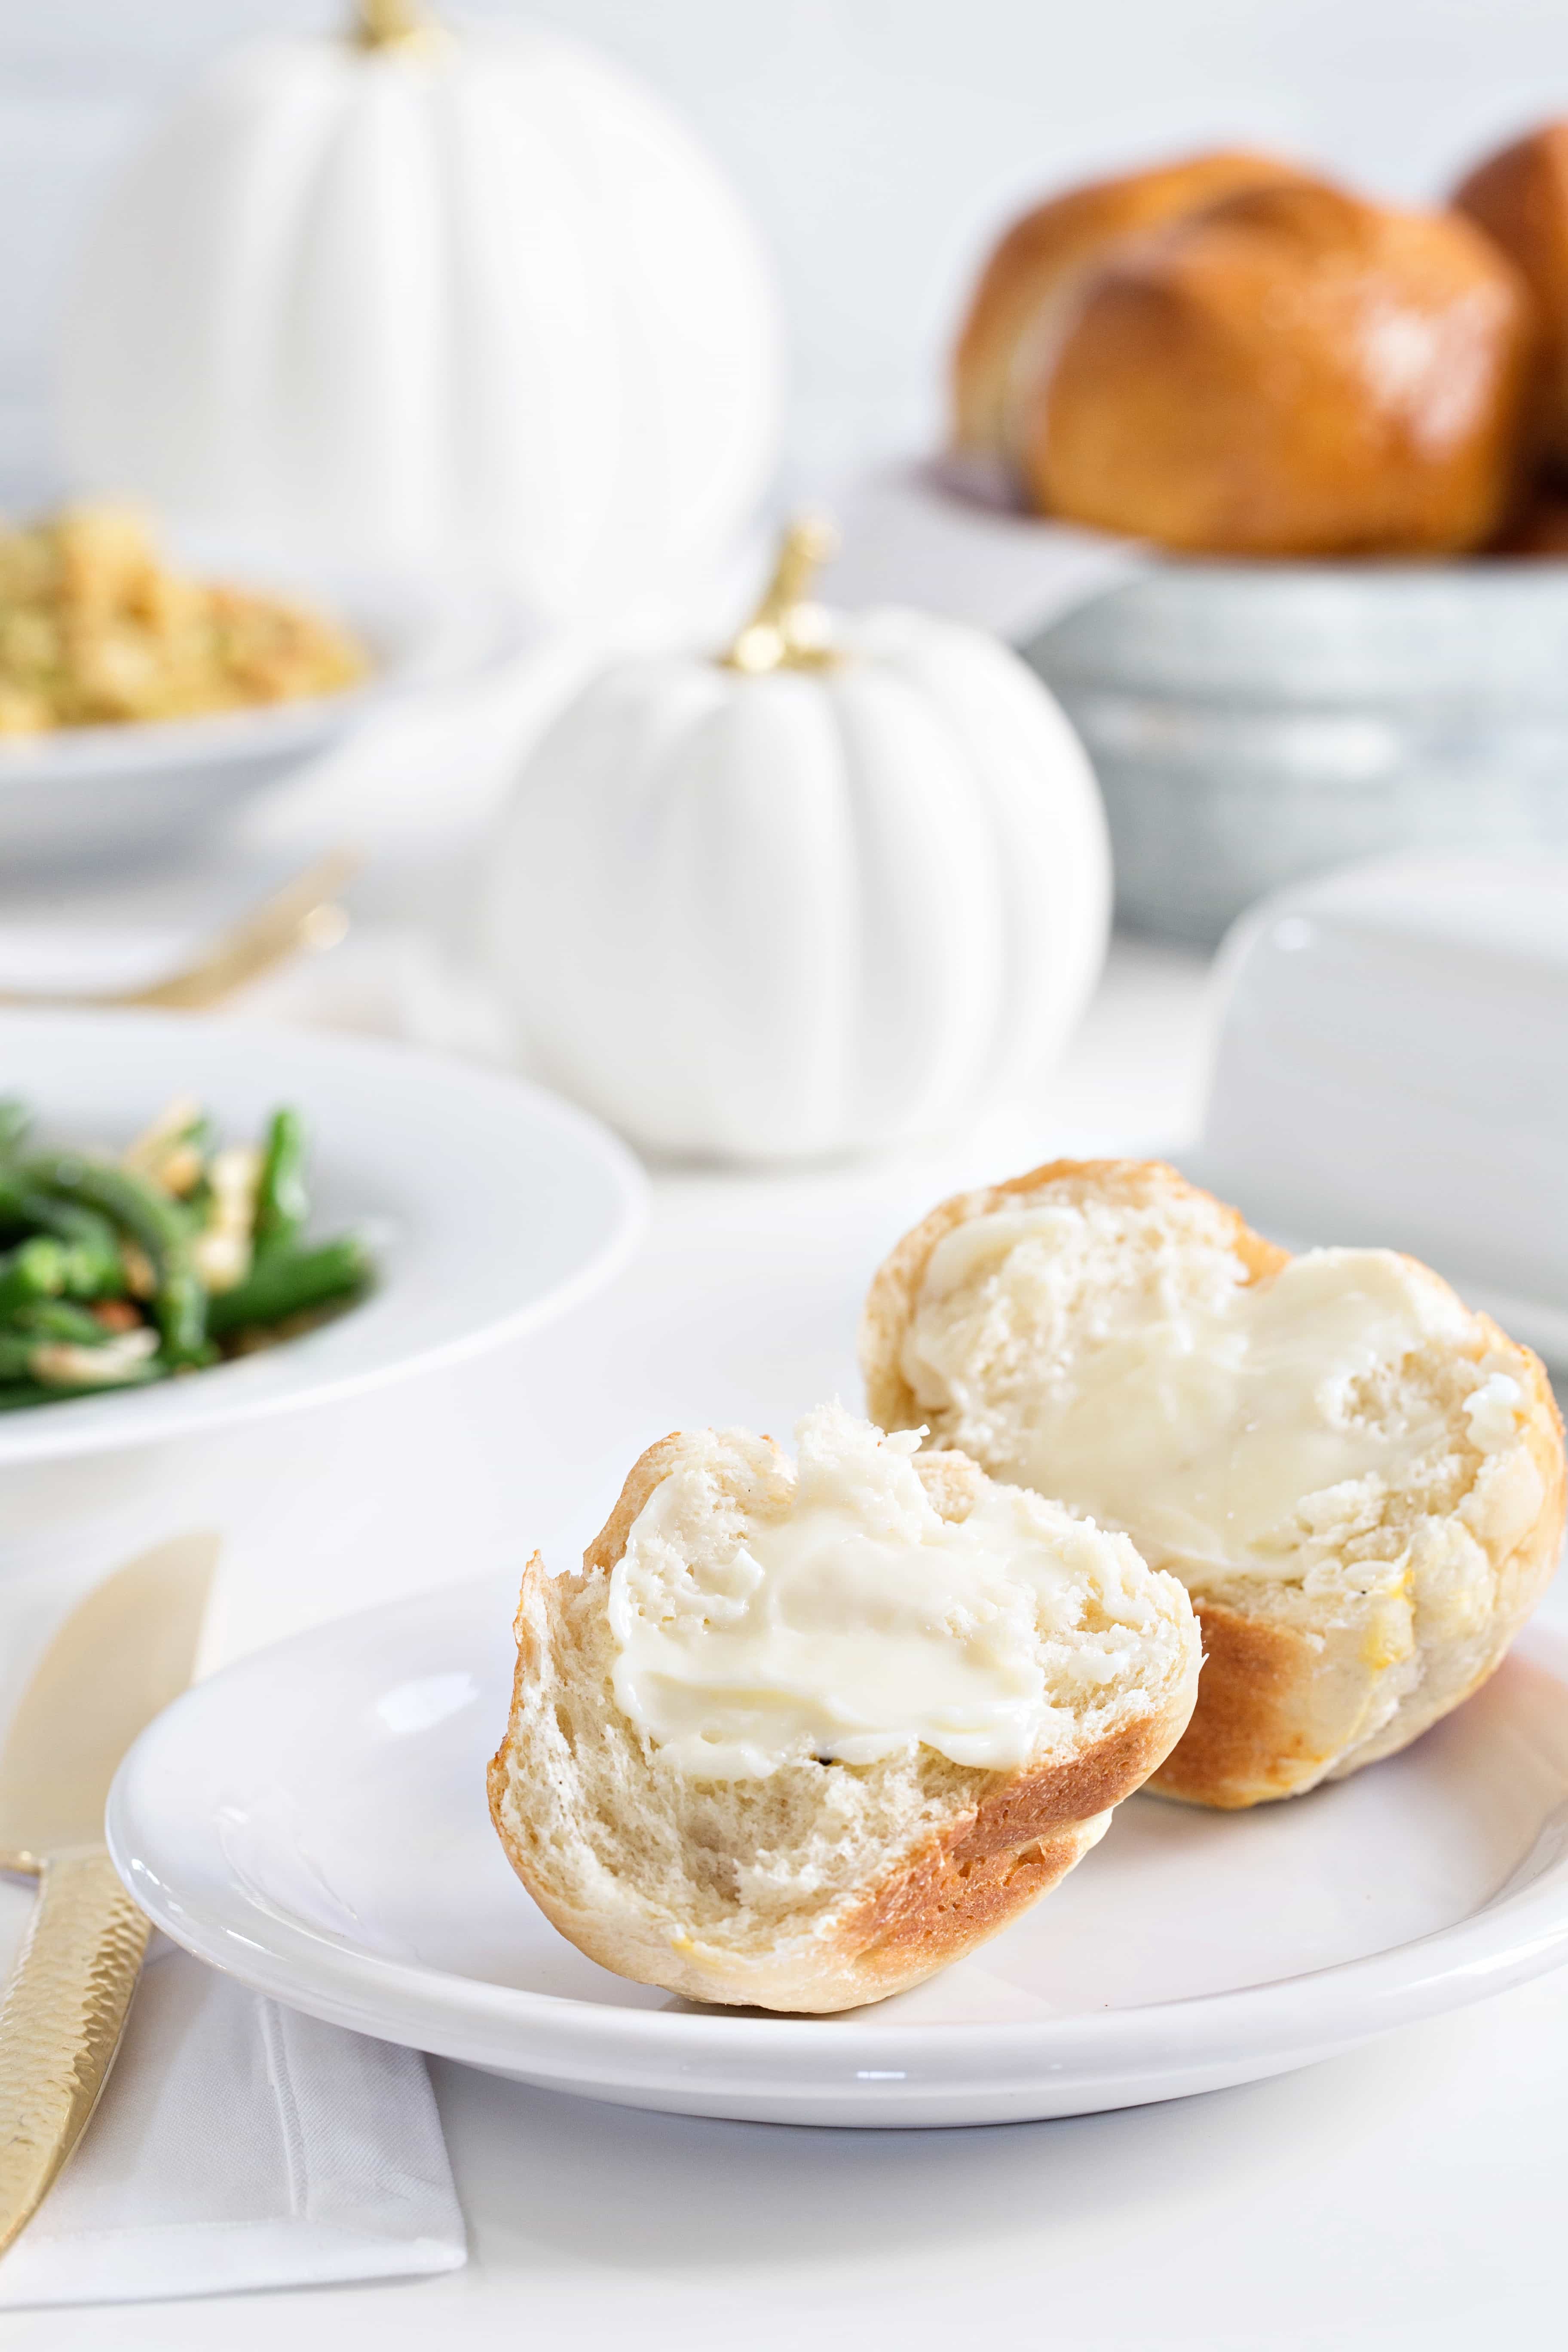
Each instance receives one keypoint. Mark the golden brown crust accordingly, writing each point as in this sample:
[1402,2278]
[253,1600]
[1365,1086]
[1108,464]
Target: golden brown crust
[1292,372]
[1280,1707]
[950,1893]
[1277,1706]
[1519,197]
[1250,1736]
[967,1885]
[1038,262]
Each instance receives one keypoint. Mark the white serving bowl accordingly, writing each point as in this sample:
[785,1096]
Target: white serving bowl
[491,1207]
[112,791]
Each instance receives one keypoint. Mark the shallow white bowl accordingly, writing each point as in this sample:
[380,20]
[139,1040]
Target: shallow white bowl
[313,1819]
[491,1204]
[107,792]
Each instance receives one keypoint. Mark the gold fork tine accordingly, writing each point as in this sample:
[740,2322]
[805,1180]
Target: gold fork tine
[302,916]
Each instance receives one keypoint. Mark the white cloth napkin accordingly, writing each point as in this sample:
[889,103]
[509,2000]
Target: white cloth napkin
[240,2144]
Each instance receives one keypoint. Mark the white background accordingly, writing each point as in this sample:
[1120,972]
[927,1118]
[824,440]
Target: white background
[878,141]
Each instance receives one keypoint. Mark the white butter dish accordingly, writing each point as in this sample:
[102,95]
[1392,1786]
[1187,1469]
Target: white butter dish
[1392,1069]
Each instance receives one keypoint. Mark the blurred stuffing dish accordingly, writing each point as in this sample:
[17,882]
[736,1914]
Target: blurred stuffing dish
[97,629]
[144,697]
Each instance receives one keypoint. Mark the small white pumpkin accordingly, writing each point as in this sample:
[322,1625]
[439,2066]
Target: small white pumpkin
[824,895]
[417,298]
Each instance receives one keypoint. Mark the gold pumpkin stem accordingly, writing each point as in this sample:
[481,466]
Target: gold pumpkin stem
[391,25]
[787,631]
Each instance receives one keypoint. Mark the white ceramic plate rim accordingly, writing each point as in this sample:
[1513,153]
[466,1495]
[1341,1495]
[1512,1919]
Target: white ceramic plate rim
[93,1426]
[1520,1932]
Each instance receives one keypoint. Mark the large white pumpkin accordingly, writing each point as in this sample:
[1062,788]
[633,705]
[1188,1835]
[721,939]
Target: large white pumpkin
[803,902]
[447,299]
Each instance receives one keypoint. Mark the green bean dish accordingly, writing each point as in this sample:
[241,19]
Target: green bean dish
[115,1273]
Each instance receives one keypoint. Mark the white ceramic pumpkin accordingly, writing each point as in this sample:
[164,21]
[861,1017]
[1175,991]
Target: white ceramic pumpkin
[825,895]
[414,297]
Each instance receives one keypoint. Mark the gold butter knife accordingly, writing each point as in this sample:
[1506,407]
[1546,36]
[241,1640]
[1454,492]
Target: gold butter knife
[117,1660]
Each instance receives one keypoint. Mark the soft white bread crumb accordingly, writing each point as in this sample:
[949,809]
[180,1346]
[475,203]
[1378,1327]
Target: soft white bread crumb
[815,1885]
[1365,1608]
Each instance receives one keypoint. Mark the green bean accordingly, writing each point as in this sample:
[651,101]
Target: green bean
[57,1319]
[282,1201]
[77,1228]
[97,1269]
[12,1197]
[157,1224]
[287,1282]
[45,1268]
[36,1270]
[17,1394]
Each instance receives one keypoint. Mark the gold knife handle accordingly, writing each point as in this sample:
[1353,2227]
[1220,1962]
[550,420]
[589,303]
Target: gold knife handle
[60,2023]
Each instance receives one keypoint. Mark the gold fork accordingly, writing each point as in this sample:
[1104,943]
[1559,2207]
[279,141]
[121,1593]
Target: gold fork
[304,916]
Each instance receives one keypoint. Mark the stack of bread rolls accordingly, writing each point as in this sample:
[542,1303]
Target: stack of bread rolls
[1231,355]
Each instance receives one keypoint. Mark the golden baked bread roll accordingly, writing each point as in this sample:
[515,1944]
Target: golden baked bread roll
[1033,272]
[1520,198]
[1358,1481]
[1290,372]
[1539,530]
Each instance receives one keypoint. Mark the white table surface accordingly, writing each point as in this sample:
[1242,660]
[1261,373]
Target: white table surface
[1409,2196]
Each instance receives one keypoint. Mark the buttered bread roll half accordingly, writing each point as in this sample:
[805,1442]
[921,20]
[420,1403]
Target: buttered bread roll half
[1358,1481]
[1290,372]
[796,1737]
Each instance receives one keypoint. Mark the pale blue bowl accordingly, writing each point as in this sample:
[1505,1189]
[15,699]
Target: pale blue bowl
[1251,724]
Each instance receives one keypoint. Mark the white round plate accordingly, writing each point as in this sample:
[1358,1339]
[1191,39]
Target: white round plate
[490,1204]
[313,1820]
[112,790]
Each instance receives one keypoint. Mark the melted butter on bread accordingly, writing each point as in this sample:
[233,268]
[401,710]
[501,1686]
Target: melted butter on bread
[857,1620]
[1223,1422]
